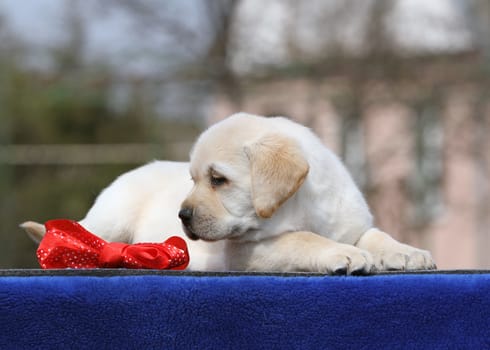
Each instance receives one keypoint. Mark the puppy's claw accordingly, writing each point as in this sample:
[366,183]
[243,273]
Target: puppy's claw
[340,271]
[347,260]
[416,259]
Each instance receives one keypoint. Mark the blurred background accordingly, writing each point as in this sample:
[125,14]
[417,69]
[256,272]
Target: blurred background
[399,89]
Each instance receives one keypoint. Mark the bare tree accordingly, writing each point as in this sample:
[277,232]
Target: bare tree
[221,16]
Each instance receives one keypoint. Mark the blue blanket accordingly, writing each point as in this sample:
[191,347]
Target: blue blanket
[103,309]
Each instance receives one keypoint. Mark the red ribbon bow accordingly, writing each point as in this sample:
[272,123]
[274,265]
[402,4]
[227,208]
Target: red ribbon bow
[67,244]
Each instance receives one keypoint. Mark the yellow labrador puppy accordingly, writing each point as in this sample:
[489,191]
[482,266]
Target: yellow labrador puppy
[265,195]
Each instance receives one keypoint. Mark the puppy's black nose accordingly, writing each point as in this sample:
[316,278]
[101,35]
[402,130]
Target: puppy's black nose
[185,214]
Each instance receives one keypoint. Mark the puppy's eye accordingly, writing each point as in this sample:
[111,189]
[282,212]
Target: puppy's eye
[218,180]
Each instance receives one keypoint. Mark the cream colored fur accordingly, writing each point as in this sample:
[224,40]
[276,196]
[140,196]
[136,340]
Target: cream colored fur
[265,195]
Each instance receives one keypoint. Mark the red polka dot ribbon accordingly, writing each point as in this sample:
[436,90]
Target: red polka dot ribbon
[67,244]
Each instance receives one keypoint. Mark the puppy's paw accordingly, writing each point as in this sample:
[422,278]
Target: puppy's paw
[391,255]
[402,258]
[344,259]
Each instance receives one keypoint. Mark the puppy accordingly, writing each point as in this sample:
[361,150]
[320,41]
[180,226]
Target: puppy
[265,195]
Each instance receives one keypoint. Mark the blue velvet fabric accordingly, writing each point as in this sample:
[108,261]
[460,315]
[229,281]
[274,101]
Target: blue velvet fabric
[186,311]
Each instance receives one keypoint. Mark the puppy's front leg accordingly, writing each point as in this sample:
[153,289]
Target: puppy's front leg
[389,254]
[299,251]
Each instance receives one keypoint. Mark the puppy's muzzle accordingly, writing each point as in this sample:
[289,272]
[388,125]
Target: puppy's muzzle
[185,215]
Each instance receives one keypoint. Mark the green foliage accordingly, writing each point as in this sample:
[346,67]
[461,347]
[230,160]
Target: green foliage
[71,104]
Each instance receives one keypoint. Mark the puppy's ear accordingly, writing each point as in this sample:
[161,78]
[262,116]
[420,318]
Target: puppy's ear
[278,169]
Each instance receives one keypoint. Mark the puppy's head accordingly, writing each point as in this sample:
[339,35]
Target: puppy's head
[243,170]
